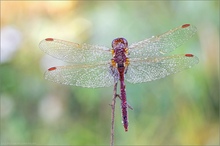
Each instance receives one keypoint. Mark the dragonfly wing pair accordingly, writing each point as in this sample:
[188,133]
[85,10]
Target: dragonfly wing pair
[91,64]
[148,62]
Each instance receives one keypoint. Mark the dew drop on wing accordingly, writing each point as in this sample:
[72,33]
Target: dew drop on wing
[162,52]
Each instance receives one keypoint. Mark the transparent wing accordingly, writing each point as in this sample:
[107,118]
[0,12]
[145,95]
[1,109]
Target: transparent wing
[73,52]
[144,70]
[162,44]
[91,76]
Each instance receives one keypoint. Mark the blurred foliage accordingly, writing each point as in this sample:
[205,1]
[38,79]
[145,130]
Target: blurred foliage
[182,109]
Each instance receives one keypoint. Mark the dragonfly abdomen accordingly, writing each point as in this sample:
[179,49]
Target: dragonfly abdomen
[123,99]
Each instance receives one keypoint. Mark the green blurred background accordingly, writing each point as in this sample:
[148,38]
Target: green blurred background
[182,109]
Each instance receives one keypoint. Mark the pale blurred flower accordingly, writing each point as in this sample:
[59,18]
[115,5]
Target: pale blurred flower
[7,105]
[50,109]
[10,41]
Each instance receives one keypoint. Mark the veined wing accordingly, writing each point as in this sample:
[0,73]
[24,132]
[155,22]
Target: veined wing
[149,69]
[162,44]
[91,76]
[73,52]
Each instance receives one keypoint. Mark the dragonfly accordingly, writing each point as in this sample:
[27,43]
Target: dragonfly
[95,66]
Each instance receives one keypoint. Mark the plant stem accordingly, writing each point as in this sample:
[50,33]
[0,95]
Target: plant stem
[113,114]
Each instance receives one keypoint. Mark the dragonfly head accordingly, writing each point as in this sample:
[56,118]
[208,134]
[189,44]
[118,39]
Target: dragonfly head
[119,42]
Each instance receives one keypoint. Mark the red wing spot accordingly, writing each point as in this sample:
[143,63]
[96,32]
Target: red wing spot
[52,68]
[49,39]
[189,55]
[185,25]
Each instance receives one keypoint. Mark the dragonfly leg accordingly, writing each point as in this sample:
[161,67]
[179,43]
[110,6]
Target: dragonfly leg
[117,95]
[129,106]
[126,69]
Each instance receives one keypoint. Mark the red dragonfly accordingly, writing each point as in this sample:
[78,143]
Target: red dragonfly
[97,66]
